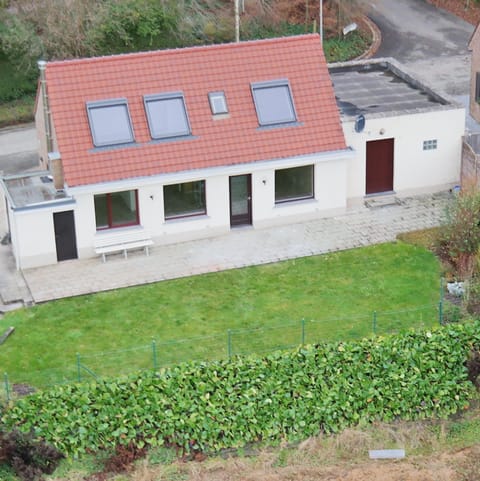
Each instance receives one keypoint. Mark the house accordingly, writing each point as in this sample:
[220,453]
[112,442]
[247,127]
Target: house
[470,175]
[160,147]
[474,47]
[406,137]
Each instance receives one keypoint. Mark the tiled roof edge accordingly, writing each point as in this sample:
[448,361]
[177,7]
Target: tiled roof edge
[183,50]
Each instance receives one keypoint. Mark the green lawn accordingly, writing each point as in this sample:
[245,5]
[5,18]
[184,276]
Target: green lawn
[264,306]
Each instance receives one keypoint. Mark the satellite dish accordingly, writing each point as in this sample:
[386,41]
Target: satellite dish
[359,123]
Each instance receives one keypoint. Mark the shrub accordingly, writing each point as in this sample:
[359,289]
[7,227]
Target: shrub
[459,239]
[29,457]
[283,396]
[473,366]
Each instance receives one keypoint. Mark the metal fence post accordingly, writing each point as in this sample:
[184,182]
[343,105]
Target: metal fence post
[7,387]
[79,368]
[229,343]
[442,288]
[303,331]
[440,312]
[375,322]
[154,353]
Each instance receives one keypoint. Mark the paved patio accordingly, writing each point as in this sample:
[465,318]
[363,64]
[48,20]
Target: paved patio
[241,247]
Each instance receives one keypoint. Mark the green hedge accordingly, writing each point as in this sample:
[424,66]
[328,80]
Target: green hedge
[225,404]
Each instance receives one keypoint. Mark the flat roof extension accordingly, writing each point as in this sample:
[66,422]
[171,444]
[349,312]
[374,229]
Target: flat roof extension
[381,86]
[32,190]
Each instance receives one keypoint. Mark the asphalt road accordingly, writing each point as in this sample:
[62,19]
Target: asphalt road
[430,42]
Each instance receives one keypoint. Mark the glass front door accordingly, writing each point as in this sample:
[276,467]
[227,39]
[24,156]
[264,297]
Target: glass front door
[241,200]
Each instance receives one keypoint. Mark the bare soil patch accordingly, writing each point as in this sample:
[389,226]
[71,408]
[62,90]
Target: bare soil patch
[463,465]
[470,14]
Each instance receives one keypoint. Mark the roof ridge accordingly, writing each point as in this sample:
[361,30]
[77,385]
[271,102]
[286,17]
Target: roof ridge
[183,50]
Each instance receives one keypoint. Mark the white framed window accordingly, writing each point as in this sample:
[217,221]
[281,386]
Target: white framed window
[167,115]
[273,102]
[218,103]
[110,122]
[430,144]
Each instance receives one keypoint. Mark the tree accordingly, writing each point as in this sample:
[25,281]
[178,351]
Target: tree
[61,29]
[19,43]
[133,25]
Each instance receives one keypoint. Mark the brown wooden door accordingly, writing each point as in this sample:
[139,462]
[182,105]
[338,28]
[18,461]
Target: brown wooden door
[379,176]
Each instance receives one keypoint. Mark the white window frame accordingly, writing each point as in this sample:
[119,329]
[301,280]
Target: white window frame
[218,103]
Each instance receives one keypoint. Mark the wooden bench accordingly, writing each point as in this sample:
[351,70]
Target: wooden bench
[122,240]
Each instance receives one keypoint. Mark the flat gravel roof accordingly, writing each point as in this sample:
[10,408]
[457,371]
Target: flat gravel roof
[378,87]
[32,190]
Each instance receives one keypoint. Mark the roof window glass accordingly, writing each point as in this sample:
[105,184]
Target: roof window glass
[273,102]
[110,122]
[218,103]
[167,115]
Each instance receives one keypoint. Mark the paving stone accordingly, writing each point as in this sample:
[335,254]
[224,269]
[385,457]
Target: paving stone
[357,227]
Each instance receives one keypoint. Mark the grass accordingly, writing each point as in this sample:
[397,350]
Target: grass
[346,48]
[189,318]
[427,238]
[17,94]
[17,111]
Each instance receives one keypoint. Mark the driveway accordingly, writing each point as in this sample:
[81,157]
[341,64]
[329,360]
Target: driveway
[430,42]
[18,149]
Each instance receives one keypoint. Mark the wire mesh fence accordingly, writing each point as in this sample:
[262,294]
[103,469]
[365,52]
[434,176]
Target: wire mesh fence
[256,340]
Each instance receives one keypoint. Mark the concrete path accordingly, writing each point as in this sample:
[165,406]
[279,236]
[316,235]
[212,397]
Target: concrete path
[14,291]
[242,247]
[18,148]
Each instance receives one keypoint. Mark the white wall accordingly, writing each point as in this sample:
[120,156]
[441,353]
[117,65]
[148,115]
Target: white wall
[330,183]
[33,236]
[415,170]
[330,176]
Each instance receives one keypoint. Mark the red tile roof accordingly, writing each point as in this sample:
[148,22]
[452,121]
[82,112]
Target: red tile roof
[195,71]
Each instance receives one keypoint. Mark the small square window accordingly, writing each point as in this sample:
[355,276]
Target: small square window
[110,122]
[430,144]
[218,103]
[167,115]
[273,102]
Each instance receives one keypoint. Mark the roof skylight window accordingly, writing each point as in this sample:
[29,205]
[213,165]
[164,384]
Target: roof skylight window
[218,103]
[273,102]
[167,115]
[110,122]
